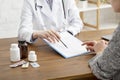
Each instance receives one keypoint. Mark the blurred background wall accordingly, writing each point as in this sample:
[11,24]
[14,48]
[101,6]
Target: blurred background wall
[10,11]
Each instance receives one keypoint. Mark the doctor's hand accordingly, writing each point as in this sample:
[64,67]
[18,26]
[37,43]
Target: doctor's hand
[50,35]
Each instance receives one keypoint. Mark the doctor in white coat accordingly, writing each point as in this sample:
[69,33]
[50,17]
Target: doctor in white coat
[43,19]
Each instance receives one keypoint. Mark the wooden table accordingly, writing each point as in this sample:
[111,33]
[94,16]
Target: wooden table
[52,65]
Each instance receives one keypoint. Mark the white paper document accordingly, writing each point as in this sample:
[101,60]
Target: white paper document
[74,47]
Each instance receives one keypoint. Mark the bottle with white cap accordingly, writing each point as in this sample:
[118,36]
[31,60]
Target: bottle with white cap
[32,56]
[14,53]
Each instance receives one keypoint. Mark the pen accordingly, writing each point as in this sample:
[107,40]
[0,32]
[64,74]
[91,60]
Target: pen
[63,43]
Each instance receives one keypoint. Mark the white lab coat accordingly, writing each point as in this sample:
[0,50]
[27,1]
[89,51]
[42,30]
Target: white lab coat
[40,17]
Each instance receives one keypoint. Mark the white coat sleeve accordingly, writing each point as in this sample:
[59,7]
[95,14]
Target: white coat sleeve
[26,27]
[74,19]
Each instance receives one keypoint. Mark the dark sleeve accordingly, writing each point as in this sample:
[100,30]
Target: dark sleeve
[107,65]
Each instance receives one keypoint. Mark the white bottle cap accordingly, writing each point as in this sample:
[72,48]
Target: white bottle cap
[32,53]
[14,45]
[32,56]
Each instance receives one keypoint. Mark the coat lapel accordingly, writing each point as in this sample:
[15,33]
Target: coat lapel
[55,8]
[45,8]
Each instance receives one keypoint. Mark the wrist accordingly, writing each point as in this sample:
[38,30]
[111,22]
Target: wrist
[99,52]
[35,35]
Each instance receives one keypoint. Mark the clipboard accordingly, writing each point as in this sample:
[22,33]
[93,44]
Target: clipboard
[74,46]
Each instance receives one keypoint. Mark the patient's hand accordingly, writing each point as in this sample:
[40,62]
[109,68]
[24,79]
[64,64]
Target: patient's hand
[90,45]
[95,46]
[100,46]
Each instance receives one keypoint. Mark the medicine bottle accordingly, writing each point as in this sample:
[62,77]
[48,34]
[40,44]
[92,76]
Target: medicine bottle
[14,53]
[32,56]
[23,49]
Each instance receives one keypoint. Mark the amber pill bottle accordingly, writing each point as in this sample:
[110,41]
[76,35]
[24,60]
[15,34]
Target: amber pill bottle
[23,49]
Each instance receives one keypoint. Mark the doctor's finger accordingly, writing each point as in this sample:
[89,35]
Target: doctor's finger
[54,35]
[50,35]
[46,35]
[50,40]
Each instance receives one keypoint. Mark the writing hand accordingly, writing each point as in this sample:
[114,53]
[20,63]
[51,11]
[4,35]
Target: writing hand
[100,46]
[90,45]
[96,46]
